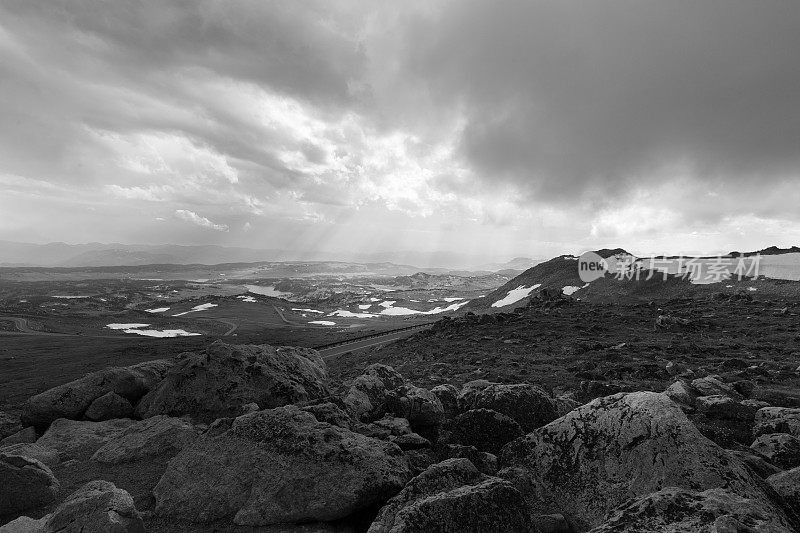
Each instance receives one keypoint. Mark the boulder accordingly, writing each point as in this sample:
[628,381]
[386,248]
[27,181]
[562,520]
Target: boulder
[787,485]
[107,407]
[279,466]
[681,393]
[777,420]
[673,510]
[454,496]
[72,399]
[726,408]
[368,396]
[485,462]
[528,404]
[565,403]
[47,456]
[419,406]
[22,436]
[218,381]
[614,448]
[330,413]
[485,429]
[713,386]
[781,449]
[26,484]
[74,439]
[9,424]
[410,441]
[448,397]
[157,436]
[387,426]
[96,507]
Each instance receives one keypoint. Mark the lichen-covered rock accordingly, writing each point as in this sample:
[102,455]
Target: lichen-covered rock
[454,496]
[279,466]
[419,406]
[22,436]
[369,394]
[26,484]
[777,420]
[96,507]
[218,381]
[614,448]
[108,407]
[565,403]
[781,449]
[24,524]
[74,439]
[72,399]
[674,510]
[152,437]
[528,404]
[485,429]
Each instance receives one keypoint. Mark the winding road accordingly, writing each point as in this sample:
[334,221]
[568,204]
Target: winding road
[369,342]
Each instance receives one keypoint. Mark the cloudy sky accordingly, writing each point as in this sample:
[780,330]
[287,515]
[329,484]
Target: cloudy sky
[498,128]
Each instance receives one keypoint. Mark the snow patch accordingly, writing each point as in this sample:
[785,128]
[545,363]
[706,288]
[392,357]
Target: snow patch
[308,310]
[349,314]
[571,289]
[515,295]
[163,333]
[267,291]
[248,299]
[157,310]
[323,322]
[126,326]
[196,308]
[364,307]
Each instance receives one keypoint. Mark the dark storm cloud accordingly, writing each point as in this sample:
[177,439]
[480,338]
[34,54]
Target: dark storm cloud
[568,97]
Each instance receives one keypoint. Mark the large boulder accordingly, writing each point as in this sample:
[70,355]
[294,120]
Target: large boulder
[781,449]
[714,386]
[279,466]
[75,439]
[787,485]
[26,484]
[486,430]
[622,446]
[370,392]
[454,496]
[108,407]
[677,510]
[419,406]
[72,399]
[528,404]
[157,436]
[777,420]
[220,380]
[726,408]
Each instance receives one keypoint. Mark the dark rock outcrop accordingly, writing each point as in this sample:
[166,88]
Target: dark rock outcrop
[108,407]
[153,437]
[74,439]
[220,380]
[72,399]
[528,404]
[454,496]
[781,449]
[279,466]
[598,456]
[369,394]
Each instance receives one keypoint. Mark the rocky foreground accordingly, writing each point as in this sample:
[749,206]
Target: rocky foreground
[258,438]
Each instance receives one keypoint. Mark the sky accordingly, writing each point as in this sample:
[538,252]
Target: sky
[500,129]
